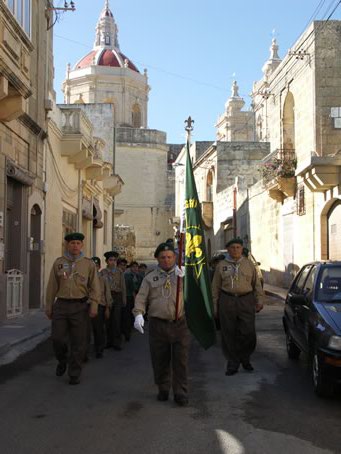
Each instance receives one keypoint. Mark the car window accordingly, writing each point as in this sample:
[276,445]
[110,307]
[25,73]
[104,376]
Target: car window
[329,285]
[309,283]
[299,282]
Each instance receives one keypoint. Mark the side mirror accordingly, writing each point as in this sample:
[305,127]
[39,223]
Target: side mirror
[298,300]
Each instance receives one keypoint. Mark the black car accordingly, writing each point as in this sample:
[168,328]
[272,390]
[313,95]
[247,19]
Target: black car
[312,322]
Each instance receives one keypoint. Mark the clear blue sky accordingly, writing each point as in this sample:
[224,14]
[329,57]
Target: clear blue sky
[192,49]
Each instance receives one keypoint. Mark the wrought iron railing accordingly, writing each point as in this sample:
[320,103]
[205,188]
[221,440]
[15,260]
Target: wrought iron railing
[280,163]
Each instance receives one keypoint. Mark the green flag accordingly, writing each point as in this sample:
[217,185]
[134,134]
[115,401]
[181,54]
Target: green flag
[198,295]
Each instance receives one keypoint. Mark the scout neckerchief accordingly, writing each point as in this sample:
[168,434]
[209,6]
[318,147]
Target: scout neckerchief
[71,265]
[166,289]
[235,269]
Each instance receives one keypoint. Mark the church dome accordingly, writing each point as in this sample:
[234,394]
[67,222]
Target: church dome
[106,57]
[106,50]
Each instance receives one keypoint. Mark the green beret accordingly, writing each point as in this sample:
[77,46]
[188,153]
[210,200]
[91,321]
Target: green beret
[96,260]
[110,254]
[163,247]
[234,241]
[75,236]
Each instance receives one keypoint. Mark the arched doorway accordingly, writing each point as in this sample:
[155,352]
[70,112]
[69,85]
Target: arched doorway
[35,258]
[334,231]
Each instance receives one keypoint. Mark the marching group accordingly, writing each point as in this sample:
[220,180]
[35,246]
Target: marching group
[81,296]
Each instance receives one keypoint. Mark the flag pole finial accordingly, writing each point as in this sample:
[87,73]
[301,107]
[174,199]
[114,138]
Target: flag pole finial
[189,124]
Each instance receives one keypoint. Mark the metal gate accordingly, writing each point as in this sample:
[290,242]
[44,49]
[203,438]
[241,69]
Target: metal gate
[14,292]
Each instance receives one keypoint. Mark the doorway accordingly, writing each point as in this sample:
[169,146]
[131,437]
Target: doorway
[35,258]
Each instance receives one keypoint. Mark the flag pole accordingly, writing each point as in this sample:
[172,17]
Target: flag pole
[189,128]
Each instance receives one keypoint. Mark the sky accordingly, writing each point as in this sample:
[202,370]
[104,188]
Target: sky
[192,49]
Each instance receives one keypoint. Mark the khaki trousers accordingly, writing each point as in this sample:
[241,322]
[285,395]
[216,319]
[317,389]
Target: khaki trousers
[169,344]
[69,327]
[237,324]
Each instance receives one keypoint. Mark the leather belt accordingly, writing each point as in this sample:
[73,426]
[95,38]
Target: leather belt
[73,300]
[168,321]
[236,295]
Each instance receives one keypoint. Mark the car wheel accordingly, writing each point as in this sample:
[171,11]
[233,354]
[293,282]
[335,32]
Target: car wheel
[322,386]
[292,349]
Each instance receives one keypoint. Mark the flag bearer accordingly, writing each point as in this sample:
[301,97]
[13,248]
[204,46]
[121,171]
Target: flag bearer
[237,294]
[72,284]
[168,338]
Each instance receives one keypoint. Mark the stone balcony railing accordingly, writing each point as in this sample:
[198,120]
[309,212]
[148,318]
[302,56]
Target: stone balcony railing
[140,136]
[75,121]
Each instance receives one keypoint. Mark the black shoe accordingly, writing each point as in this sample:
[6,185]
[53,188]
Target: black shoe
[181,400]
[248,366]
[231,371]
[74,381]
[118,348]
[99,355]
[60,369]
[162,396]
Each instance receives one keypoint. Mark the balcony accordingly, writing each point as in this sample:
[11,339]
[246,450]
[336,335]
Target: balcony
[321,173]
[207,214]
[113,185]
[15,50]
[278,172]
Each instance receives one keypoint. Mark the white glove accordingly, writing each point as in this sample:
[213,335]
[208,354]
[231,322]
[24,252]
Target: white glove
[139,323]
[179,271]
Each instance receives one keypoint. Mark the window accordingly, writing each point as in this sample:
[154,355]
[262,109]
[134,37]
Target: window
[300,201]
[335,113]
[107,40]
[329,284]
[309,284]
[22,12]
[69,222]
[299,282]
[136,116]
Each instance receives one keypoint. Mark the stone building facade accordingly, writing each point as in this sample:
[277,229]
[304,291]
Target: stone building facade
[288,203]
[26,69]
[106,75]
[81,183]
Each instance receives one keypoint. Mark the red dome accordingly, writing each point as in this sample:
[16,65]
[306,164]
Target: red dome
[105,57]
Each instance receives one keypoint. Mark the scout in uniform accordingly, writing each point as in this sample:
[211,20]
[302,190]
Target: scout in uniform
[98,323]
[237,291]
[168,338]
[72,284]
[116,280]
[133,283]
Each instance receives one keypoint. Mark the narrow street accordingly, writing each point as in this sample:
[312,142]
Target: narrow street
[114,409]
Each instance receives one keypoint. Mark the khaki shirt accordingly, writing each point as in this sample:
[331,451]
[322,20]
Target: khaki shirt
[235,277]
[116,280]
[106,298]
[157,297]
[73,279]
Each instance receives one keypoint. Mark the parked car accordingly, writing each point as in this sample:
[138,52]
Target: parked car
[312,322]
[250,257]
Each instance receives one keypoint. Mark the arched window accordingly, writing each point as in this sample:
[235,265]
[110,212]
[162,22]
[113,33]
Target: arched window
[136,117]
[209,187]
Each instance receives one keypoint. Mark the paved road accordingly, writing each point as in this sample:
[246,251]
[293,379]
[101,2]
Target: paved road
[114,409]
